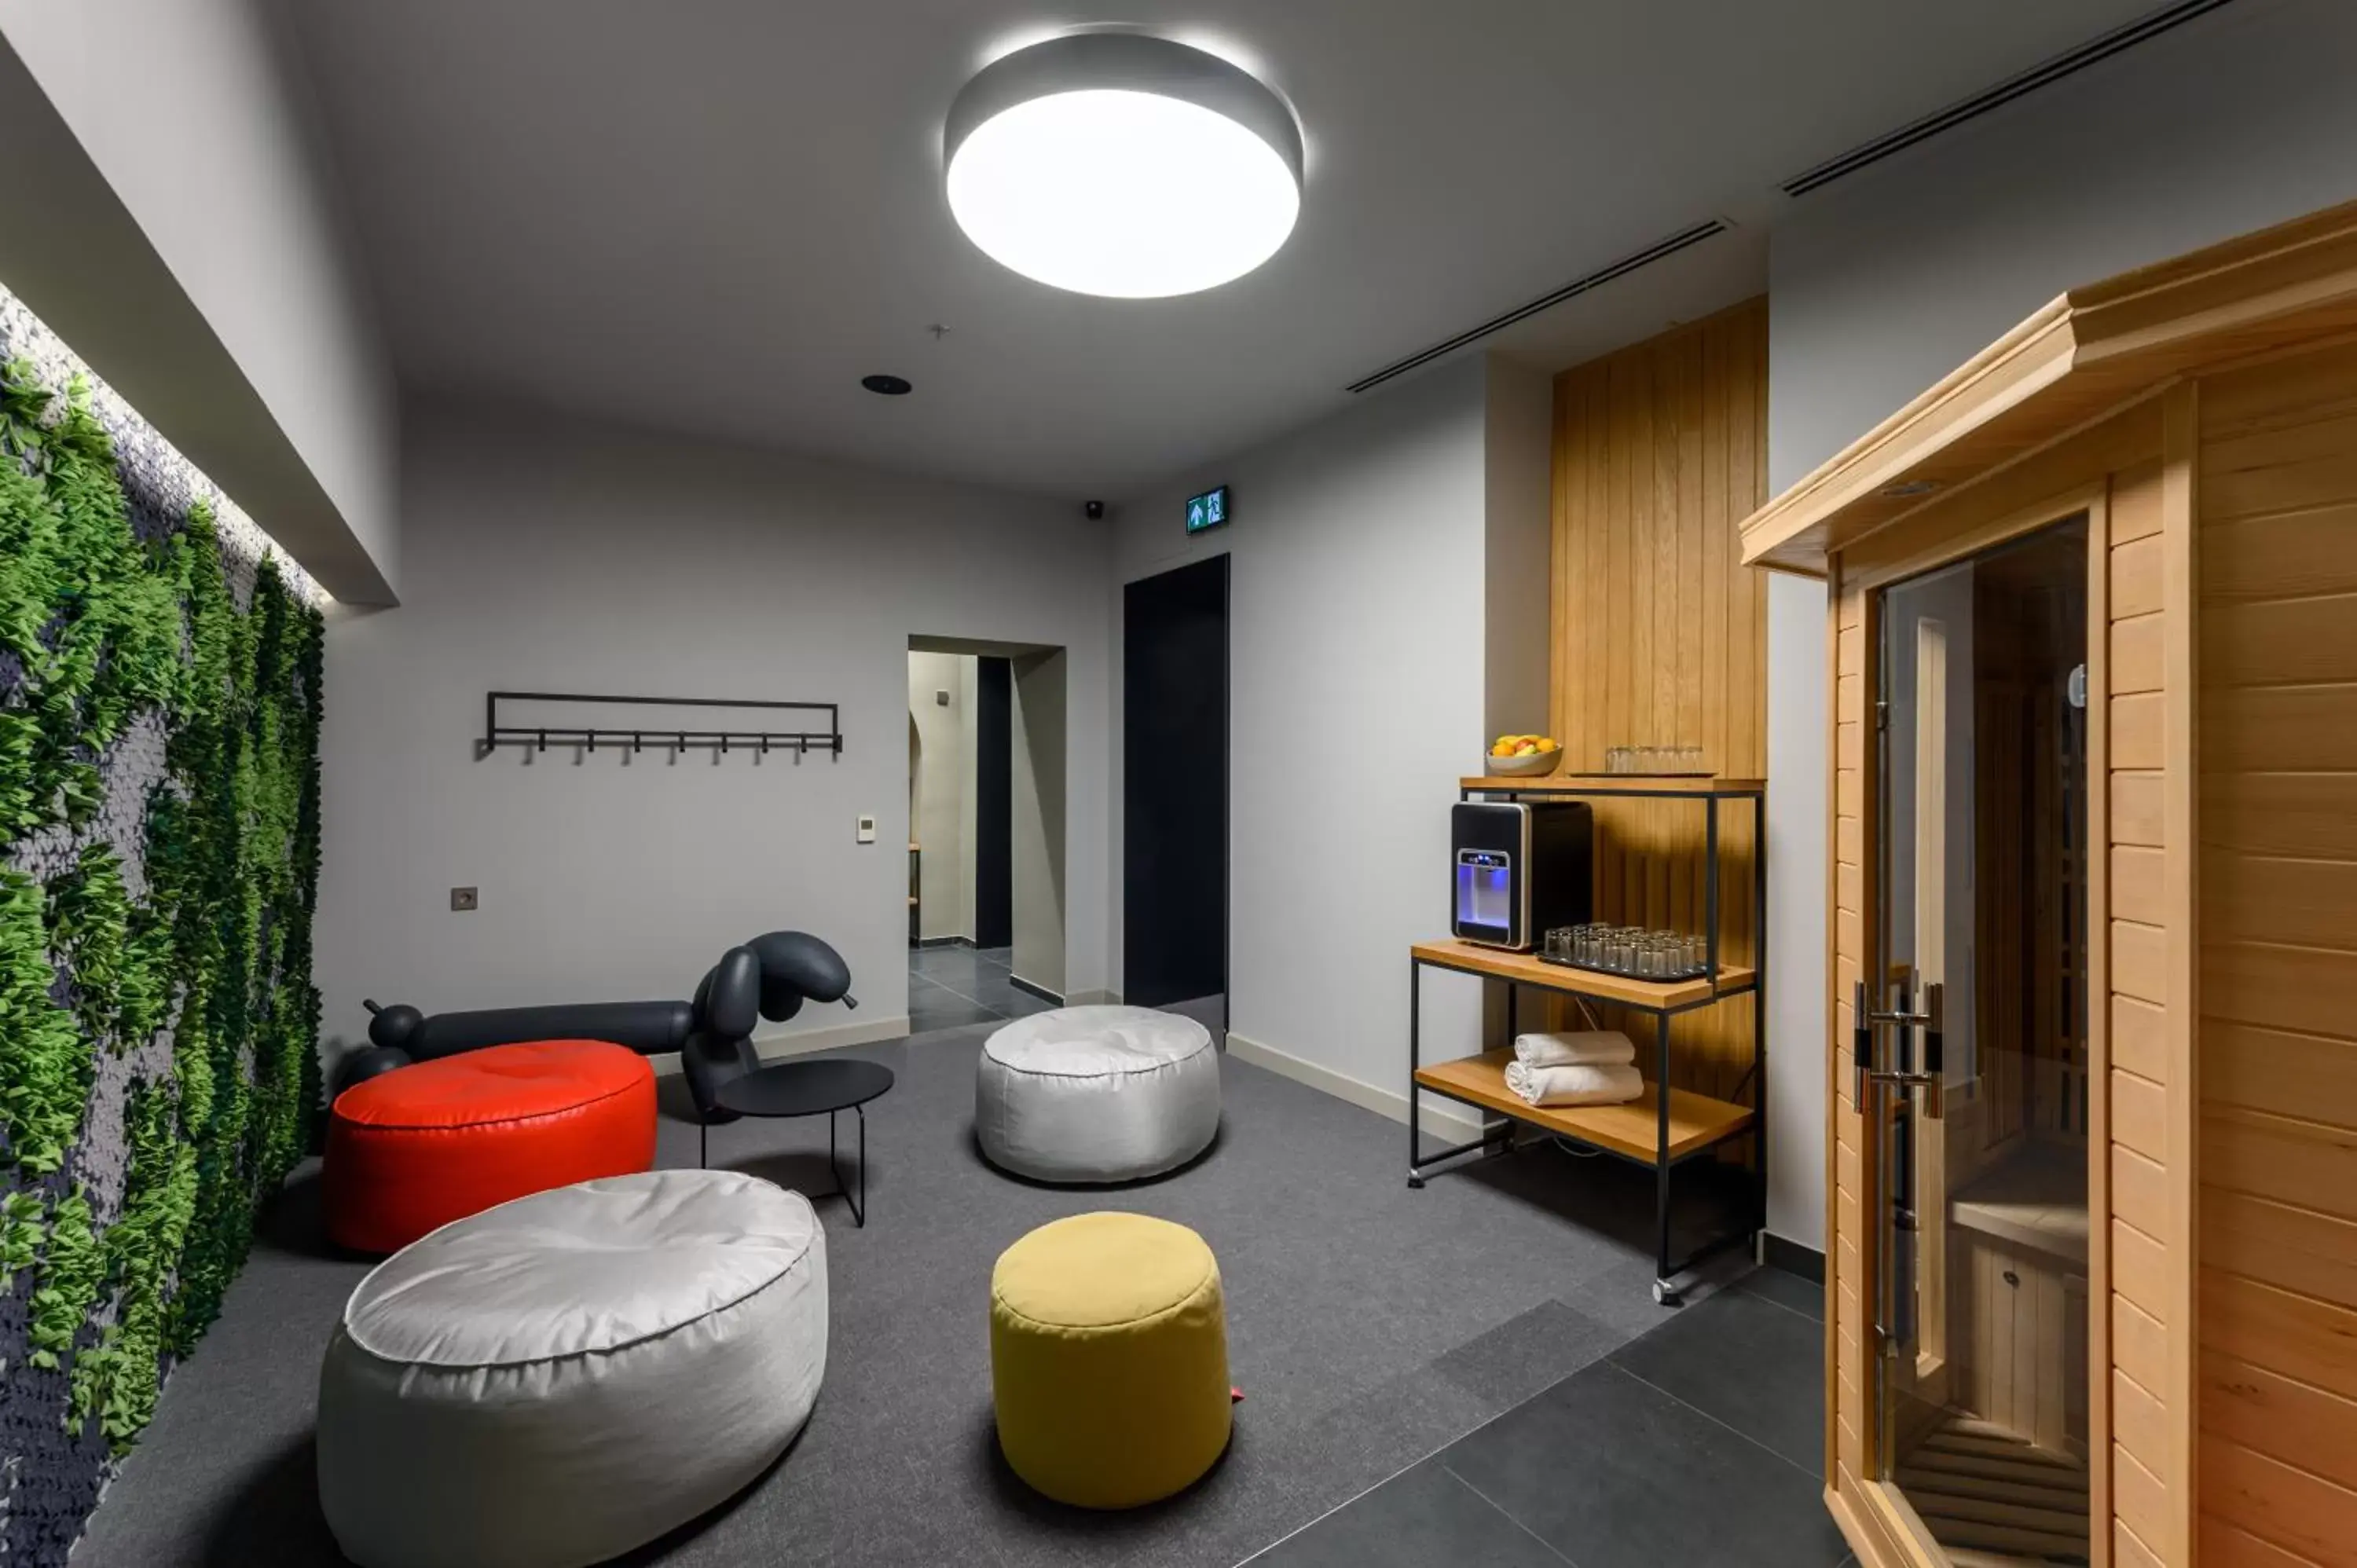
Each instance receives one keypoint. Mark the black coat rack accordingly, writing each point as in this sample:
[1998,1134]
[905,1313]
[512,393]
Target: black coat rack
[538,738]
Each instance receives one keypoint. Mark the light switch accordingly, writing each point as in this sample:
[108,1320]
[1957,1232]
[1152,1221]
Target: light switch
[941,697]
[867,830]
[462,897]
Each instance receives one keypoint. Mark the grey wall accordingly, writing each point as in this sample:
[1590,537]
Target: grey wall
[939,776]
[1882,284]
[1359,652]
[555,556]
[969,707]
[1040,731]
[232,278]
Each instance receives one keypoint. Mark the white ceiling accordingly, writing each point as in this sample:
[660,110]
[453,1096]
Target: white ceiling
[717,215]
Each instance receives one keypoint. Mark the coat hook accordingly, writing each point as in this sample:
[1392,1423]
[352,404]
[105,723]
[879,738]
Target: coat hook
[765,744]
[543,740]
[724,742]
[638,740]
[593,739]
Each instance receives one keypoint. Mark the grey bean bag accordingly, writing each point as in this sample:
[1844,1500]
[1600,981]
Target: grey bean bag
[559,1379]
[1096,1094]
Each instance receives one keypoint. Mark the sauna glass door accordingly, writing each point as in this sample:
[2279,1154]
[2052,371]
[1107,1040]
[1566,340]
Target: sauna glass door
[1973,1047]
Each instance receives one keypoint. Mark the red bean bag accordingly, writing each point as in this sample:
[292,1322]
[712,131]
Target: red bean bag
[414,1149]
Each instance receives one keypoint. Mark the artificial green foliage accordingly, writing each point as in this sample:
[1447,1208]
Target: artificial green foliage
[20,1234]
[120,1376]
[99,630]
[45,1059]
[72,1266]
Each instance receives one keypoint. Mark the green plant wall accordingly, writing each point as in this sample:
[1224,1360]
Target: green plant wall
[159,718]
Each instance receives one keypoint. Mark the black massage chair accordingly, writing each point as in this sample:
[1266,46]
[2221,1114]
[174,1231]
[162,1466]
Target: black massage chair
[769,977]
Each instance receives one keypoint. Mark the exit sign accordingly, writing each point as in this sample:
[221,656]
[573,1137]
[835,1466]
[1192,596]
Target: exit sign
[1209,510]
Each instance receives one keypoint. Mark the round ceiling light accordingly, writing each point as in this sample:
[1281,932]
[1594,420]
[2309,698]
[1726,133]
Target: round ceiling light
[1122,165]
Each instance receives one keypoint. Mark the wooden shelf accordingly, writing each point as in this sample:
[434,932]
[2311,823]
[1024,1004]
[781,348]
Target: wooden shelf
[1675,995]
[1618,784]
[1632,1128]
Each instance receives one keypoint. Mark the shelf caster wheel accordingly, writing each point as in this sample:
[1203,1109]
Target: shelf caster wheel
[1414,1182]
[1665,1294]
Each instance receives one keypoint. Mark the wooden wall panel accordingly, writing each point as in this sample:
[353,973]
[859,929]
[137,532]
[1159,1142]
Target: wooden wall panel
[1856,1241]
[1659,633]
[2145,771]
[2276,1247]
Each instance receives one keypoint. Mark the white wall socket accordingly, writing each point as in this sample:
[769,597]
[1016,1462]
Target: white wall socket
[867,830]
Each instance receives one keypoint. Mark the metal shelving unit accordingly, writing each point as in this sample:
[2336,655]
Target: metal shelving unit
[1664,1127]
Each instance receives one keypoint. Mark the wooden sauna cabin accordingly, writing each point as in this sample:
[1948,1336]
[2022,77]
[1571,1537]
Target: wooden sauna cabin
[2092,1072]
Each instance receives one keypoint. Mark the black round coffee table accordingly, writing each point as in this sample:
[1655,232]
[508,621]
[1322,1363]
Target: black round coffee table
[812,1088]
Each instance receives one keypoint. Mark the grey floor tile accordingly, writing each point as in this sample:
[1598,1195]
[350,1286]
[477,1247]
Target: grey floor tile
[1527,1353]
[1741,1358]
[1622,1294]
[1421,1519]
[932,1005]
[957,1016]
[960,967]
[998,993]
[1613,1473]
[1803,1296]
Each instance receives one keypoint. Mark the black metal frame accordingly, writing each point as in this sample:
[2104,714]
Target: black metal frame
[538,736]
[1498,1138]
[858,1205]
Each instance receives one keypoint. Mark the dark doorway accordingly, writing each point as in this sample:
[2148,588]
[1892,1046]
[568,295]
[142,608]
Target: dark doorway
[994,803]
[1175,786]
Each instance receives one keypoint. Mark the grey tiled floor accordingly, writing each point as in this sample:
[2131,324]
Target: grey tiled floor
[1698,1442]
[950,988]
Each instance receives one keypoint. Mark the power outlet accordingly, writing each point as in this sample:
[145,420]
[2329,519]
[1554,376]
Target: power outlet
[867,830]
[462,897]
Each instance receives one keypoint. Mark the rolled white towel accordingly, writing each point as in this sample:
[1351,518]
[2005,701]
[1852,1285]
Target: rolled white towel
[1610,1083]
[1583,1047]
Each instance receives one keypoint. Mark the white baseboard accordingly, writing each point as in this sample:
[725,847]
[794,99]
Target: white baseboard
[802,1042]
[1092,998]
[1444,1117]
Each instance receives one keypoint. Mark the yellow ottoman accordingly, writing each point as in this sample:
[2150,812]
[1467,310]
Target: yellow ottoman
[1109,1359]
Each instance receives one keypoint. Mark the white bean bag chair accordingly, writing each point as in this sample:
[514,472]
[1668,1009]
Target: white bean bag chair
[559,1379]
[1096,1094]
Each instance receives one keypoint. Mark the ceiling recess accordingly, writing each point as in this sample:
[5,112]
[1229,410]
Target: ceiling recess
[2093,51]
[1596,279]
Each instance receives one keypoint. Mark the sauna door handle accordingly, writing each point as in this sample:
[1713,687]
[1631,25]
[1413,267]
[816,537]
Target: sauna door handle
[1932,1020]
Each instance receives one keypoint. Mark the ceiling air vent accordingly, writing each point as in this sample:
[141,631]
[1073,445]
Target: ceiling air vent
[2040,75]
[1596,279]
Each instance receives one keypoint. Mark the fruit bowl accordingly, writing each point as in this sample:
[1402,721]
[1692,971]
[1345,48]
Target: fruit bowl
[1537,764]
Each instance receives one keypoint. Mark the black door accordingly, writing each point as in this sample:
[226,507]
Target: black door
[994,803]
[1175,786]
